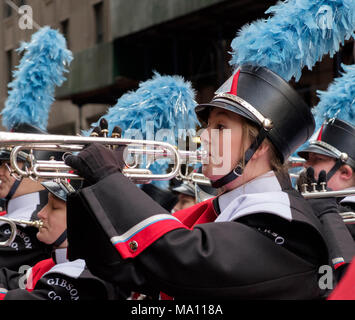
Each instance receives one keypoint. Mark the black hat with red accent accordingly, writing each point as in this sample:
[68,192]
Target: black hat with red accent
[265,99]
[336,139]
[336,117]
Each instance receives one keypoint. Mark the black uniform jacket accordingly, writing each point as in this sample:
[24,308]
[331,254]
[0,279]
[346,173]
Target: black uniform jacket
[347,204]
[26,249]
[260,241]
[55,279]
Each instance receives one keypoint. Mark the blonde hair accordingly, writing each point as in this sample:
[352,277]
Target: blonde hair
[249,134]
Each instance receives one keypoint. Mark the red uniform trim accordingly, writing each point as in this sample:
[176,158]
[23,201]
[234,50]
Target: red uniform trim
[2,295]
[37,272]
[345,290]
[200,213]
[143,239]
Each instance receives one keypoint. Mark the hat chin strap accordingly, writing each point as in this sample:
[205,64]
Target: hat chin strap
[60,240]
[14,188]
[238,170]
[335,168]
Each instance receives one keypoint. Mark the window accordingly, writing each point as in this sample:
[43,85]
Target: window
[9,65]
[99,22]
[64,26]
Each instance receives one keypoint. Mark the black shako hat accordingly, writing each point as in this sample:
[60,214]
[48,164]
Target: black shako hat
[335,139]
[59,188]
[266,99]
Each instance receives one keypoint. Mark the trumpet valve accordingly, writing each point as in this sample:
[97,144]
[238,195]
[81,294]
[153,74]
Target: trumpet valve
[304,188]
[314,187]
[323,186]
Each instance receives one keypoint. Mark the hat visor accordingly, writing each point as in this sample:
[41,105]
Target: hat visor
[55,189]
[316,149]
[203,110]
[184,190]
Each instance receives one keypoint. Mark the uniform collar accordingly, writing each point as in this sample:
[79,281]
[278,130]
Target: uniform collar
[264,183]
[60,256]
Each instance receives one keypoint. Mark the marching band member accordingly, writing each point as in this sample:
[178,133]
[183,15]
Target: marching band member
[332,154]
[186,196]
[260,238]
[55,278]
[333,150]
[26,111]
[24,199]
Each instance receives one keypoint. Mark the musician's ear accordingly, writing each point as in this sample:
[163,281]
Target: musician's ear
[346,173]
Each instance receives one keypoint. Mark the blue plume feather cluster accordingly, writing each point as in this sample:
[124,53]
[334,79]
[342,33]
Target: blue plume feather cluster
[297,34]
[41,69]
[339,100]
[167,102]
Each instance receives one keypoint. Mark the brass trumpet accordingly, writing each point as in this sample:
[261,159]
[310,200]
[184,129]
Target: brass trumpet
[327,194]
[51,169]
[348,217]
[13,225]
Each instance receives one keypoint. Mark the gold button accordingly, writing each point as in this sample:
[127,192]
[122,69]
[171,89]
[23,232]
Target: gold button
[133,245]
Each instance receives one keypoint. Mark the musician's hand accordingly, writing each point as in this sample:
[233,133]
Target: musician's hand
[320,206]
[308,181]
[95,162]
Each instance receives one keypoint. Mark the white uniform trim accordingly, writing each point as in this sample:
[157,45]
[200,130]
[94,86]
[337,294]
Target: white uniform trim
[349,198]
[71,269]
[21,208]
[263,194]
[140,226]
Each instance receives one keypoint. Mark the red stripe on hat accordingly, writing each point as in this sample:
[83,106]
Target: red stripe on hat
[234,88]
[320,133]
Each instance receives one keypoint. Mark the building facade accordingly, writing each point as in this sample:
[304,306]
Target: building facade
[118,43]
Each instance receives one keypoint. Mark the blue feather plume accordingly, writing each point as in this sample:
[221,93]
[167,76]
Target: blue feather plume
[339,100]
[298,34]
[40,70]
[167,102]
